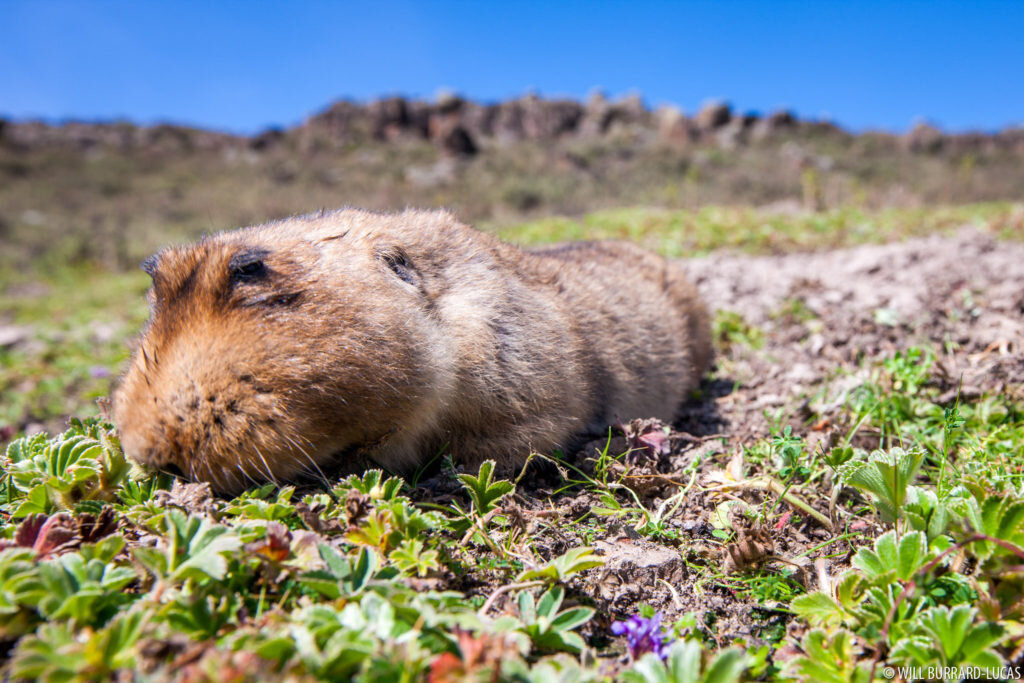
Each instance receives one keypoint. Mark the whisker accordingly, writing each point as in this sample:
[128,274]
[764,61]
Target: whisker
[270,473]
[246,474]
[323,477]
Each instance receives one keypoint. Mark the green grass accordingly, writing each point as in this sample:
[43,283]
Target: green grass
[79,322]
[685,233]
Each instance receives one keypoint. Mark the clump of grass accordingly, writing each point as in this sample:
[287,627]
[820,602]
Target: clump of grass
[729,329]
[677,233]
[77,323]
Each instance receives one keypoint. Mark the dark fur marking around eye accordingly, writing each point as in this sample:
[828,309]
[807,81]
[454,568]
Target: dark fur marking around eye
[399,264]
[248,265]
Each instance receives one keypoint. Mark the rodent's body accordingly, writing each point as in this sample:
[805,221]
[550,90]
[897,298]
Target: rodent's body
[285,348]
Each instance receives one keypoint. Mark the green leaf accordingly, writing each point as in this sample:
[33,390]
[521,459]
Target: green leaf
[683,665]
[275,649]
[153,560]
[562,567]
[104,550]
[684,661]
[322,582]
[482,490]
[412,557]
[727,667]
[206,553]
[999,516]
[976,647]
[364,569]
[374,485]
[959,640]
[828,659]
[818,609]
[904,559]
[337,564]
[650,669]
[885,476]
[527,607]
[195,549]
[572,618]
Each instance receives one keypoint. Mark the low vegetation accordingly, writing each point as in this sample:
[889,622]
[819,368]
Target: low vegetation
[106,567]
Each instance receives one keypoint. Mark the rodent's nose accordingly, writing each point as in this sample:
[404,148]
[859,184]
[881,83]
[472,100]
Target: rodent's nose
[139,442]
[136,445]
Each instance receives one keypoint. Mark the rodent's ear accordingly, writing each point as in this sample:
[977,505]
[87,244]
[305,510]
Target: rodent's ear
[395,259]
[149,265]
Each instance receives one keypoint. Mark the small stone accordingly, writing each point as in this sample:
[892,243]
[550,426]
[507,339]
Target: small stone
[13,335]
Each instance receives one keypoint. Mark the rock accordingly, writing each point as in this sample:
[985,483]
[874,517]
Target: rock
[341,121]
[532,118]
[268,139]
[782,118]
[638,564]
[13,335]
[673,126]
[772,124]
[734,132]
[389,118]
[713,115]
[458,142]
[924,138]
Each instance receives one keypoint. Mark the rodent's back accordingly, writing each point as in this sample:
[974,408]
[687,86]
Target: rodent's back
[647,331]
[323,340]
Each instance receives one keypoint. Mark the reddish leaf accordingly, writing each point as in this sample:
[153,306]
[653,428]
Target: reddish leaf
[783,520]
[275,546]
[57,534]
[446,668]
[646,438]
[53,536]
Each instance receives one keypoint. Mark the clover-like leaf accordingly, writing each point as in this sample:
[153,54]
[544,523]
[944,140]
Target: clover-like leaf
[483,490]
[573,561]
[884,476]
[904,558]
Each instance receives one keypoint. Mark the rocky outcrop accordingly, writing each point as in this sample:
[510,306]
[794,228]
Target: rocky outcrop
[120,135]
[463,128]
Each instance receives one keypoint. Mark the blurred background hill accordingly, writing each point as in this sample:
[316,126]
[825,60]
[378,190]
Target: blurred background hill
[113,192]
[126,126]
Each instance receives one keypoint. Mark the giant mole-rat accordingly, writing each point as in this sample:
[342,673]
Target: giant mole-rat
[306,344]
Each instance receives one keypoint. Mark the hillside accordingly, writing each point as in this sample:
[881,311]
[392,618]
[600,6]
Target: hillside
[112,192]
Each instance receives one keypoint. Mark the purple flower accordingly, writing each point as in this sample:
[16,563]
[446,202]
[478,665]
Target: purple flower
[99,372]
[643,635]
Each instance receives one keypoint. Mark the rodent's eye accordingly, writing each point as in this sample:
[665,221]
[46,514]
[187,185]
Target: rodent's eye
[400,265]
[248,265]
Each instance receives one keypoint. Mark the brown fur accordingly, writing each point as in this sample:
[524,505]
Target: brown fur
[277,350]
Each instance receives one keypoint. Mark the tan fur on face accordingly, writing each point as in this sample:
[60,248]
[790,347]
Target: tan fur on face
[391,336]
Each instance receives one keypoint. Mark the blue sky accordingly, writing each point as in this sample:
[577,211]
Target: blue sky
[243,66]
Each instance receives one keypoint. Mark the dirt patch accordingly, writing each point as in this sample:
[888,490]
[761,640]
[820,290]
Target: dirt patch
[962,296]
